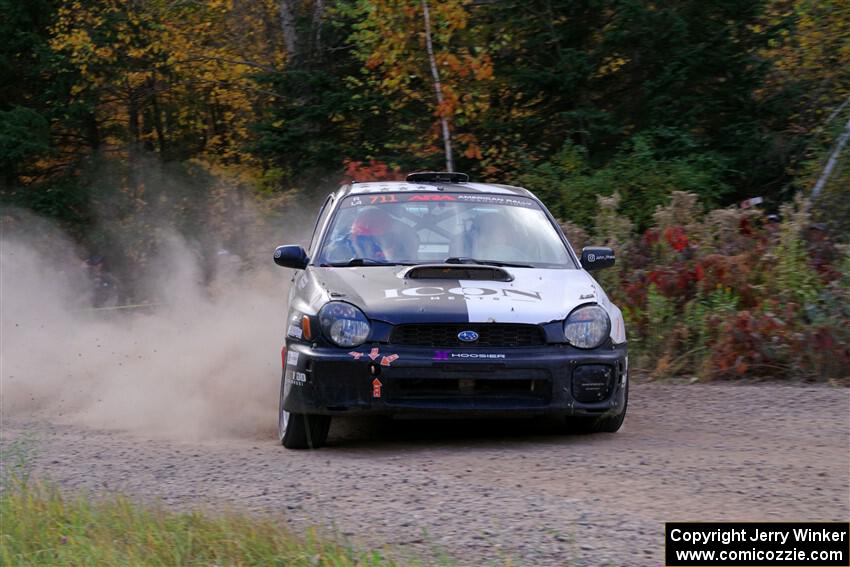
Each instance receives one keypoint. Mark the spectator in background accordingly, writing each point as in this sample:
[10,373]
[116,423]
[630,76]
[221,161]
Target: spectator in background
[104,286]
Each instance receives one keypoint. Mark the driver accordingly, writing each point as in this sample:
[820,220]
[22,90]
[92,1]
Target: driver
[378,236]
[368,232]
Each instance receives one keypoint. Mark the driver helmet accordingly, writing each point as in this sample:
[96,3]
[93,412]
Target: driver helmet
[368,229]
[371,222]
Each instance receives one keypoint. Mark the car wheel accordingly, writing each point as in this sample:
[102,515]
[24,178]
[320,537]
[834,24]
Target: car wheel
[300,430]
[604,424]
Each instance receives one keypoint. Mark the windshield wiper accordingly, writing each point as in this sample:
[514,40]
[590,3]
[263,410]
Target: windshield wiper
[363,262]
[468,260]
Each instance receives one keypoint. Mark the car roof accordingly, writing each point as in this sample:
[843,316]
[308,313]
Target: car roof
[445,187]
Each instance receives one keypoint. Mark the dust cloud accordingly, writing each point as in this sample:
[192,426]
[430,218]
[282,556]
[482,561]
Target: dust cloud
[203,362]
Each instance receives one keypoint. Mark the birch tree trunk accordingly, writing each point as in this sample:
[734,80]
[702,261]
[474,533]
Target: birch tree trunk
[287,25]
[435,73]
[318,16]
[833,159]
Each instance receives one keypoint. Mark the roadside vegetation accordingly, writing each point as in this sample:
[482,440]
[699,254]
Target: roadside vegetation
[39,526]
[728,293]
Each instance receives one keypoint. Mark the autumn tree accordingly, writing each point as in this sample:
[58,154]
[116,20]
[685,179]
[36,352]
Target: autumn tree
[140,109]
[398,41]
[177,76]
[574,98]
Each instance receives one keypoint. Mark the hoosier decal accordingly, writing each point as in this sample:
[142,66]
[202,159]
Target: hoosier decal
[444,355]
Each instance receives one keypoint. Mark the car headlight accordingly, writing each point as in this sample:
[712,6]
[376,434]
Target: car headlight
[343,324]
[587,326]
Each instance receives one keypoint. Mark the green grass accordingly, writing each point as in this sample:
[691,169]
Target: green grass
[39,526]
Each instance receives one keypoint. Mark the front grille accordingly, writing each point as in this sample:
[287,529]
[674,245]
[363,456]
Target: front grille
[470,388]
[459,384]
[489,335]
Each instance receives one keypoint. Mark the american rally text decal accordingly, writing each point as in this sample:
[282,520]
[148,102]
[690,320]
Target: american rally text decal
[392,198]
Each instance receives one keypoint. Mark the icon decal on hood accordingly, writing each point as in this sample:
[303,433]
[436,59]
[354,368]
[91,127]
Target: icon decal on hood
[467,292]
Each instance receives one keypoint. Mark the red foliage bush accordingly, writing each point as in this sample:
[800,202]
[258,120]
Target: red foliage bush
[372,171]
[676,238]
[716,312]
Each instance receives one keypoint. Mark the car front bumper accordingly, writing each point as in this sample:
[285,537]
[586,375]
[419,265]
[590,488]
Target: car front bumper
[402,380]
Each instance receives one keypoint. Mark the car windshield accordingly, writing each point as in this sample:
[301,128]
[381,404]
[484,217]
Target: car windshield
[417,228]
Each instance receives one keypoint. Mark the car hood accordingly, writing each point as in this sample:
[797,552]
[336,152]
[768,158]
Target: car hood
[533,295]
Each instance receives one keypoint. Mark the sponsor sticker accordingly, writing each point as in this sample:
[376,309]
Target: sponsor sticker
[375,354]
[497,200]
[295,331]
[384,198]
[377,199]
[444,355]
[296,378]
[431,197]
[376,388]
[292,358]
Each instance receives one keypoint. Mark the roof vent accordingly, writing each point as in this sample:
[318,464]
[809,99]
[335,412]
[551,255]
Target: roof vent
[437,176]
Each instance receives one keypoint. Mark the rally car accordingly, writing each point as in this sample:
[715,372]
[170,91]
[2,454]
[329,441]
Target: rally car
[441,296]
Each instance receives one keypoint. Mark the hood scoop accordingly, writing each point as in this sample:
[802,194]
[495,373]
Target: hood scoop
[456,272]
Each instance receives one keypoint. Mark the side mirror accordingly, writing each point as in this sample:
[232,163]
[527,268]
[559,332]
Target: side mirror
[596,257]
[291,256]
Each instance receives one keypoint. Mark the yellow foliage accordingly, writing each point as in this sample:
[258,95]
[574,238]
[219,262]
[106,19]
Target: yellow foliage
[813,49]
[183,68]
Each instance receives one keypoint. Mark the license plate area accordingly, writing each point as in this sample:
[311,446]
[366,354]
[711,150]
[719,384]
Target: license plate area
[530,385]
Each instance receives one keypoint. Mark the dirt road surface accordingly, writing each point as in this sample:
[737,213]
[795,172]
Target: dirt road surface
[484,492]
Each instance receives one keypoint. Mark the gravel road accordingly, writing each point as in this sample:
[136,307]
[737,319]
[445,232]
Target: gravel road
[484,492]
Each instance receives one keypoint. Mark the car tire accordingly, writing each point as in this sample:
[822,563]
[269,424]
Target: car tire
[301,430]
[603,424]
